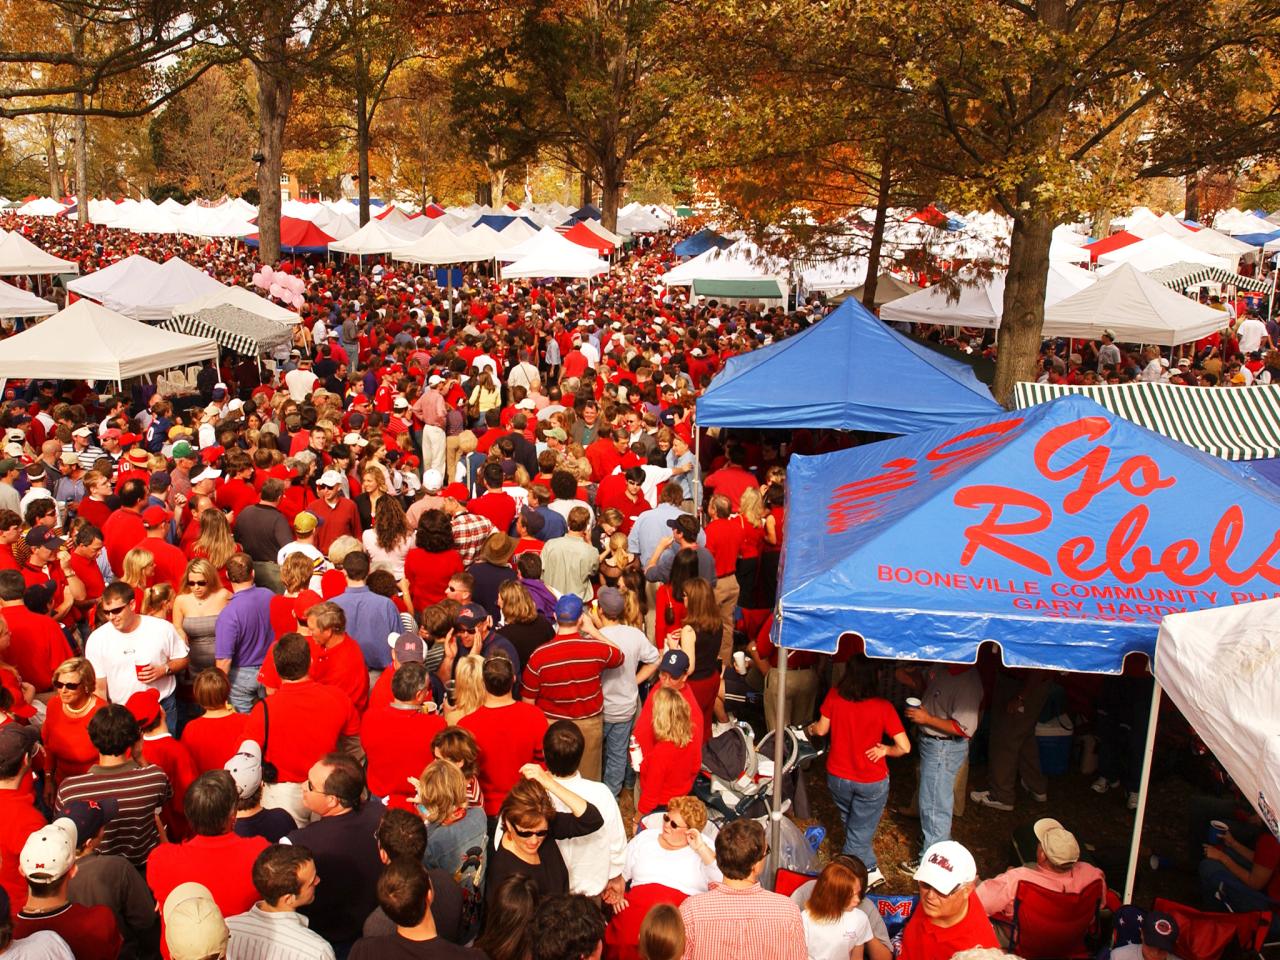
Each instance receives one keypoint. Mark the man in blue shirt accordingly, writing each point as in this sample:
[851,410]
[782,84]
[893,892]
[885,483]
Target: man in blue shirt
[243,633]
[371,617]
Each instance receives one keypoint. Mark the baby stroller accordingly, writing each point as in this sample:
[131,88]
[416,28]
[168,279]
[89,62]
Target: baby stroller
[737,773]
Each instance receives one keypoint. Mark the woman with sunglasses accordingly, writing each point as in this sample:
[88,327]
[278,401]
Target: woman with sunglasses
[200,599]
[677,855]
[66,722]
[529,820]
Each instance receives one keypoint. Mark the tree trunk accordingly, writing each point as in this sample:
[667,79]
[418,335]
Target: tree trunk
[362,151]
[56,185]
[1024,291]
[1192,210]
[82,136]
[484,194]
[611,183]
[497,186]
[584,188]
[877,231]
[275,92]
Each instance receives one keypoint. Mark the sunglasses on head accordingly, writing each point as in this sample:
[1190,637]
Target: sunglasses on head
[526,834]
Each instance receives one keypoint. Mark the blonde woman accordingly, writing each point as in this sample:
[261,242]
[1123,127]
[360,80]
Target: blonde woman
[453,826]
[215,542]
[751,516]
[201,597]
[468,688]
[373,488]
[157,601]
[138,569]
[485,395]
[670,766]
[65,732]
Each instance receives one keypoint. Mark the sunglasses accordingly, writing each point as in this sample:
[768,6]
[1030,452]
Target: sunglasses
[114,611]
[526,834]
[197,583]
[66,685]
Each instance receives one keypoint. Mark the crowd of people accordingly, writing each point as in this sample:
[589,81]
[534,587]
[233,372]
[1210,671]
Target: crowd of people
[408,644]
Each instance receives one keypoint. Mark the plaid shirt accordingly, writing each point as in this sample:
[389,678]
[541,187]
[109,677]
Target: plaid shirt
[727,923]
[470,531]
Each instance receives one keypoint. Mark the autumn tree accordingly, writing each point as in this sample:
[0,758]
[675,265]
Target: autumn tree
[205,137]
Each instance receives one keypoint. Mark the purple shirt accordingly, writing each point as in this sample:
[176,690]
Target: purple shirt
[244,633]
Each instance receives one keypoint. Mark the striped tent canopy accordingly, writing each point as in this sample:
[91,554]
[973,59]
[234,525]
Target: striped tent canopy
[1233,423]
[234,329]
[1179,276]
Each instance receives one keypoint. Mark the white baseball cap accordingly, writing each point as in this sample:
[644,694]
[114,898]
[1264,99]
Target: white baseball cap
[330,478]
[355,440]
[945,866]
[432,479]
[49,852]
[208,473]
[245,767]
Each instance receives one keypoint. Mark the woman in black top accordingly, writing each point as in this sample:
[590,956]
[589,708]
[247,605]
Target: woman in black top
[526,630]
[531,825]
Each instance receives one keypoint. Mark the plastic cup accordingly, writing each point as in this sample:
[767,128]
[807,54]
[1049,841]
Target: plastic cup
[914,702]
[740,662]
[1217,831]
[139,666]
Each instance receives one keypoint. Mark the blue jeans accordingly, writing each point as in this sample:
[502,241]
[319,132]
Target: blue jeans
[245,691]
[860,806]
[940,762]
[617,766]
[172,715]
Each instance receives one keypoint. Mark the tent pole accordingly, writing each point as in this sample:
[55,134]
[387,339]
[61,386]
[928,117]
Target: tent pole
[779,740]
[697,469]
[1139,814]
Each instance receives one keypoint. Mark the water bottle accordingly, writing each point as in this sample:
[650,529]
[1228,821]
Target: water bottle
[637,757]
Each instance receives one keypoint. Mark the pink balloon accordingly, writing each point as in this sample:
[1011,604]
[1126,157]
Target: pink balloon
[277,291]
[266,272]
[260,281]
[298,300]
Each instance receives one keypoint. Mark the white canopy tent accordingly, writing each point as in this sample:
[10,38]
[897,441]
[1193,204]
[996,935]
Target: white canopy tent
[1136,308]
[1160,251]
[374,238]
[41,207]
[16,302]
[145,290]
[980,304]
[742,260]
[577,265]
[441,245]
[87,341]
[547,243]
[134,271]
[20,257]
[148,217]
[246,300]
[1218,244]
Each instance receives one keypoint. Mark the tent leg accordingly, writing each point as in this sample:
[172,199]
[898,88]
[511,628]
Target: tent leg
[697,469]
[1140,813]
[775,810]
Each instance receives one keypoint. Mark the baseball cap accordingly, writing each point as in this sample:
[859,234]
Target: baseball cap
[1160,930]
[182,451]
[305,522]
[472,614]
[282,472]
[155,515]
[434,379]
[432,479]
[69,458]
[90,816]
[219,391]
[1109,334]
[82,432]
[400,403]
[457,491]
[42,536]
[49,852]
[354,440]
[686,524]
[407,647]
[612,602]
[556,433]
[208,473]
[945,866]
[8,464]
[16,740]
[35,471]
[533,520]
[330,478]
[111,433]
[245,767]
[194,928]
[569,608]
[144,705]
[674,663]
[1059,844]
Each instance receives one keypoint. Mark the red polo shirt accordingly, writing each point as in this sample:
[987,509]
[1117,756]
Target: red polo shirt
[344,668]
[924,940]
[306,721]
[397,742]
[38,645]
[562,676]
[224,864]
[171,563]
[122,532]
[724,541]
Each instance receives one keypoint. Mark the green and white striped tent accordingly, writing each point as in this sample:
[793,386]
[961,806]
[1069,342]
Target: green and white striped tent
[1234,423]
[1179,276]
[235,329]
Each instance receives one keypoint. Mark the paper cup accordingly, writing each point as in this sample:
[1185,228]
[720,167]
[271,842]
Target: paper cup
[1217,831]
[740,662]
[914,702]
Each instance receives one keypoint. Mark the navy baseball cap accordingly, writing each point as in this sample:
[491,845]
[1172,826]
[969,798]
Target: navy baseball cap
[675,663]
[90,816]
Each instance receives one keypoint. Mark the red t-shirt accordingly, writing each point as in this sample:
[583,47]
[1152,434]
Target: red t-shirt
[508,738]
[174,759]
[92,933]
[668,771]
[923,940]
[1267,854]
[380,694]
[344,668]
[37,647]
[730,481]
[622,936]
[224,864]
[7,560]
[306,721]
[171,563]
[724,542]
[498,507]
[857,726]
[282,617]
[122,532]
[89,574]
[398,745]
[95,511]
[562,676]
[428,574]
[18,820]
[212,741]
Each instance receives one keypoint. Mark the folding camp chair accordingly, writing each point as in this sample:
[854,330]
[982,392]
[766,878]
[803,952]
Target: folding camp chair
[1049,924]
[1208,936]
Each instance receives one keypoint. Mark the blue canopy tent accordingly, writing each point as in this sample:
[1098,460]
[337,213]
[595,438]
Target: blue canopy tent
[848,371]
[1062,532]
[1258,239]
[500,221]
[588,211]
[701,242]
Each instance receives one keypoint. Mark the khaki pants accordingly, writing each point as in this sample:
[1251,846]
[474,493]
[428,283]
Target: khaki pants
[802,697]
[434,446]
[592,751]
[651,601]
[451,455]
[727,598]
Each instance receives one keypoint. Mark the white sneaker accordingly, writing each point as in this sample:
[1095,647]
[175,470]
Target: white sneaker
[1102,785]
[1132,801]
[1037,797]
[874,879]
[984,797]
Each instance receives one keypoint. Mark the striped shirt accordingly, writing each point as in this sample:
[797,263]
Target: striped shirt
[258,934]
[87,457]
[727,923]
[562,677]
[140,791]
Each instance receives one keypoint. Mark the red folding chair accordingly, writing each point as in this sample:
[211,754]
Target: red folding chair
[1203,935]
[1049,924]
